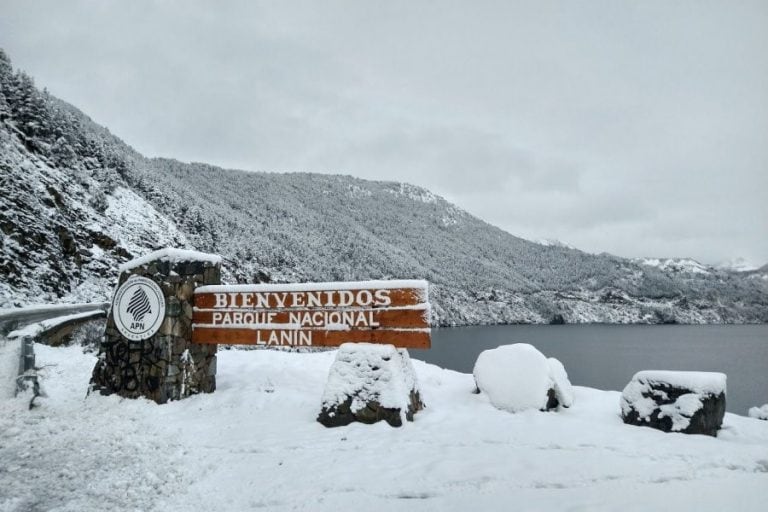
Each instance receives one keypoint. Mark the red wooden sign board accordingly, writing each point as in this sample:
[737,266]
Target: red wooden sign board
[313,314]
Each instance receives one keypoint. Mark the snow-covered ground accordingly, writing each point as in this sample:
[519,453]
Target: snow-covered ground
[254,444]
[10,352]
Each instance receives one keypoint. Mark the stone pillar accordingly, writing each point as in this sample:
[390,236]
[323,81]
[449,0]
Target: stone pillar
[157,360]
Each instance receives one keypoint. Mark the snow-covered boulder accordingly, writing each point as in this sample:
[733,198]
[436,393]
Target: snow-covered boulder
[370,383]
[518,377]
[687,402]
[760,413]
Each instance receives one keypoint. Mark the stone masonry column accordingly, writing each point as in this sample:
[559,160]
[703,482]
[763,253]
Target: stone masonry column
[147,349]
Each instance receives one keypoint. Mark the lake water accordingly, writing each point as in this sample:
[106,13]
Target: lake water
[606,356]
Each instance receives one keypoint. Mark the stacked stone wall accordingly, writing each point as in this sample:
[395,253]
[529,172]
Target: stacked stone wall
[167,366]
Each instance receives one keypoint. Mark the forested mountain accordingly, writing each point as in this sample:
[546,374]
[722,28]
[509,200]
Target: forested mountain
[76,201]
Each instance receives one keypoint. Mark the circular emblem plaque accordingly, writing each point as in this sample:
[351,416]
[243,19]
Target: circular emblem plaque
[138,308]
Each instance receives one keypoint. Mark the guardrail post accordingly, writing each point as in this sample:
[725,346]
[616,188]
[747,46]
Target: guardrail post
[27,379]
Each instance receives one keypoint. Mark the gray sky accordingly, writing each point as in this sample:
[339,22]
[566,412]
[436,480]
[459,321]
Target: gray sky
[636,128]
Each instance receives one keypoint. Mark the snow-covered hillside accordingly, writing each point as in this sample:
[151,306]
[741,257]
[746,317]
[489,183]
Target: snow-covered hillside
[75,202]
[255,444]
[65,232]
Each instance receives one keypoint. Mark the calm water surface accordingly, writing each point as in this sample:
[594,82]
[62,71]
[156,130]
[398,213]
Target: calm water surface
[606,356]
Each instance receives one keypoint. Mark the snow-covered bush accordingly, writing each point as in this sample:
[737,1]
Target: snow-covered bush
[760,413]
[518,377]
[370,383]
[675,401]
[89,335]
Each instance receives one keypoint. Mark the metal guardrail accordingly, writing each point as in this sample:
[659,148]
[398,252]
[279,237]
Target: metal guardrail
[11,319]
[27,379]
[54,331]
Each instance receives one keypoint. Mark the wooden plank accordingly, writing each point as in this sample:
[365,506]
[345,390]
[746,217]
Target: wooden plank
[309,318]
[381,297]
[311,337]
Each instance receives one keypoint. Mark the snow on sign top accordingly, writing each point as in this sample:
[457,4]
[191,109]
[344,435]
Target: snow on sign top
[172,255]
[314,314]
[300,287]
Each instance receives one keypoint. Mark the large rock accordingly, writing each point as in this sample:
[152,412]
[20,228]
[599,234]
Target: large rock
[369,383]
[519,377]
[686,402]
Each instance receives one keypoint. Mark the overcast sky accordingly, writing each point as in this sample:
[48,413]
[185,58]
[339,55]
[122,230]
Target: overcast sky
[636,128]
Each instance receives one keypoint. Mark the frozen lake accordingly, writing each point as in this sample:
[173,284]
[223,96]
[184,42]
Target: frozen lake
[606,356]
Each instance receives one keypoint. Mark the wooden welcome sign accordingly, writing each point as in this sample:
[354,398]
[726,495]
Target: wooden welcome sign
[313,314]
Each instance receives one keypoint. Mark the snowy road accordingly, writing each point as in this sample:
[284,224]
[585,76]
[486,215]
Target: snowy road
[255,444]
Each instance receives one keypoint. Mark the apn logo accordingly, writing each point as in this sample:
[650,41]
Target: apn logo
[138,307]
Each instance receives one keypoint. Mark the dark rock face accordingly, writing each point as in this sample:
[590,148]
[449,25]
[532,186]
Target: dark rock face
[552,402]
[557,319]
[370,383]
[343,413]
[670,407]
[167,366]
